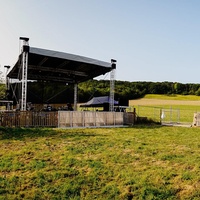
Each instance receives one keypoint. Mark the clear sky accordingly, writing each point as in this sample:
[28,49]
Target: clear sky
[152,40]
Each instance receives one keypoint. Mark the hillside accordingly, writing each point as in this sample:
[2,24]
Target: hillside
[173,97]
[163,100]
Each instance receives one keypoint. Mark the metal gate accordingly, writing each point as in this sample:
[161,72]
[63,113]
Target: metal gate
[167,116]
[176,117]
[170,116]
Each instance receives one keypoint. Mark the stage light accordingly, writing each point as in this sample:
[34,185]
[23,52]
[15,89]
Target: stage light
[24,38]
[113,60]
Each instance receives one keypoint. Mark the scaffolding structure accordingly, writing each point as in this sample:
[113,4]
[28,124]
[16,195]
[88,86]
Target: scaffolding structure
[25,50]
[48,65]
[112,85]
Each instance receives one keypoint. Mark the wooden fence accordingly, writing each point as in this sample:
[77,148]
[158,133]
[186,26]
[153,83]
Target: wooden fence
[65,119]
[28,119]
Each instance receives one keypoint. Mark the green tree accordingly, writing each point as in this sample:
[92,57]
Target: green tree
[3,91]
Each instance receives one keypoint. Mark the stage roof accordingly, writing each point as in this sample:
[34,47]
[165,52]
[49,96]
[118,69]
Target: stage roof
[57,66]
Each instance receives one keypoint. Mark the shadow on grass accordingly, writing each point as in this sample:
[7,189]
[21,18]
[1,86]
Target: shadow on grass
[147,123]
[146,126]
[22,133]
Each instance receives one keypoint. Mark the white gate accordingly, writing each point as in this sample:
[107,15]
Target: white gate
[89,119]
[170,116]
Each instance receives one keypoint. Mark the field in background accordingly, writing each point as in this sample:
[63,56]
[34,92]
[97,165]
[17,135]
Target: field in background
[151,162]
[169,109]
[166,100]
[173,97]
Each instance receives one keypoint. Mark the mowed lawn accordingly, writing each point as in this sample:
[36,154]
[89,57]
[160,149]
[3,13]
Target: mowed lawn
[141,162]
[177,108]
[167,100]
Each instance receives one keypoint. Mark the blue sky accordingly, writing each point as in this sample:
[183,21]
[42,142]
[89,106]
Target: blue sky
[152,40]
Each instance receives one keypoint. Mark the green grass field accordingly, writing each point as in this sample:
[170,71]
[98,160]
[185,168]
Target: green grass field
[177,108]
[173,97]
[142,162]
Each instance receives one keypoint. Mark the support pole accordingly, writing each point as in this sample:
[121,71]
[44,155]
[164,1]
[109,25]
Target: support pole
[112,86]
[75,96]
[24,80]
[25,50]
[7,78]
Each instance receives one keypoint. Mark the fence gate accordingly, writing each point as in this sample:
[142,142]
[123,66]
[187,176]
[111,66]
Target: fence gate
[170,116]
[149,112]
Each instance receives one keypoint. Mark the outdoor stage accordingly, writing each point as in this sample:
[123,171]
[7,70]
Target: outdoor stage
[36,64]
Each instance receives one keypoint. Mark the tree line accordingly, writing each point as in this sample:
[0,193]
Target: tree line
[45,92]
[125,90]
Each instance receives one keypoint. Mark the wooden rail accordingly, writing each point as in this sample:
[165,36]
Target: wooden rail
[28,119]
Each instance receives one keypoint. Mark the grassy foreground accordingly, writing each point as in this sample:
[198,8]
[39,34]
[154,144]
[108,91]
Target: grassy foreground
[120,163]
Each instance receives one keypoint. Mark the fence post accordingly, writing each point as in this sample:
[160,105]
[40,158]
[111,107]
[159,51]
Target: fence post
[138,110]
[160,115]
[178,117]
[170,114]
[134,115]
[71,119]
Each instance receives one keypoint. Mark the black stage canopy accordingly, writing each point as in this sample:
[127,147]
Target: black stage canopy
[98,102]
[48,65]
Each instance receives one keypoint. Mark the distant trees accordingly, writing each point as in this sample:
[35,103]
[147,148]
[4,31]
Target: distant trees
[125,90]
[2,91]
[45,92]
